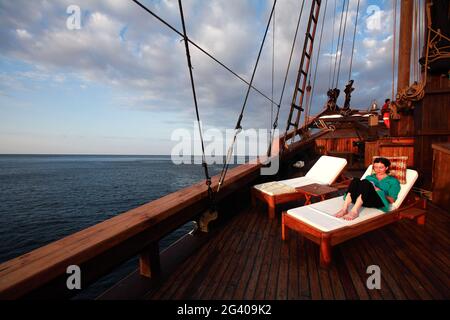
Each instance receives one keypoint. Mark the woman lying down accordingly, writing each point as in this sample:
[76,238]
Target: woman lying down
[375,191]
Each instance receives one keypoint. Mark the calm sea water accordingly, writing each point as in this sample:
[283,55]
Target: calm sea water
[46,197]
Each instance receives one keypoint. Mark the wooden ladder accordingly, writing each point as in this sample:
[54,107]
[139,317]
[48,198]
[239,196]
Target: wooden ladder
[302,77]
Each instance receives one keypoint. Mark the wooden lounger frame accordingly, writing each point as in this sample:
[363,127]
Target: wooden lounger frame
[274,200]
[414,208]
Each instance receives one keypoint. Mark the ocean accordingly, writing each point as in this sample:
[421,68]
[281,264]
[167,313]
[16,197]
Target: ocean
[44,198]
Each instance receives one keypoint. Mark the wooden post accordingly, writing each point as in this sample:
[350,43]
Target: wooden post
[405,42]
[272,208]
[404,126]
[283,227]
[149,262]
[325,252]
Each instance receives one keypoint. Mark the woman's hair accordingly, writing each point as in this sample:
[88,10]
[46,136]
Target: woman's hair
[384,161]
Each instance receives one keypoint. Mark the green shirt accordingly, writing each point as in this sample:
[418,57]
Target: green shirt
[389,186]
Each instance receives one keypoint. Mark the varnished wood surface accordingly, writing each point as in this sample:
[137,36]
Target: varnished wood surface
[101,247]
[247,259]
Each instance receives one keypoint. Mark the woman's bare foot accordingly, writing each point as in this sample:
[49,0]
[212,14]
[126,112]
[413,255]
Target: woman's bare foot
[341,213]
[351,215]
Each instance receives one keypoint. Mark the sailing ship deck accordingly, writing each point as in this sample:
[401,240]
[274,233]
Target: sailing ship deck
[246,259]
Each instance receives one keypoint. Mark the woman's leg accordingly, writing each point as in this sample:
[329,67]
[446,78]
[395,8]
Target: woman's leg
[353,191]
[344,210]
[370,197]
[354,213]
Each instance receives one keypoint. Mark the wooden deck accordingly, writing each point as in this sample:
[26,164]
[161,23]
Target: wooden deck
[246,259]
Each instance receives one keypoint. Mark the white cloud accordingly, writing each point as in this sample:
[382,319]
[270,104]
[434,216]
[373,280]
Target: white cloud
[23,34]
[148,65]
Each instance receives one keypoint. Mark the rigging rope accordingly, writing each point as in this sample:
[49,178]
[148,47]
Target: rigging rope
[189,62]
[394,45]
[332,45]
[353,45]
[273,66]
[275,122]
[342,44]
[238,127]
[200,48]
[415,59]
[337,46]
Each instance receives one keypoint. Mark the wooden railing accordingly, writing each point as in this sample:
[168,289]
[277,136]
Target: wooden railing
[101,248]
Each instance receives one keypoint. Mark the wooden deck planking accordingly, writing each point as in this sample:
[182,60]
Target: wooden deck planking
[401,269]
[390,266]
[260,290]
[192,267]
[244,256]
[343,275]
[231,271]
[397,292]
[417,271]
[305,291]
[248,280]
[293,268]
[260,261]
[248,260]
[440,276]
[272,282]
[215,280]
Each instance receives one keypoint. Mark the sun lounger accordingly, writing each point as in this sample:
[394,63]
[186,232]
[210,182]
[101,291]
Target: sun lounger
[325,171]
[318,223]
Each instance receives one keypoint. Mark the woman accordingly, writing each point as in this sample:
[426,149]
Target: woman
[375,191]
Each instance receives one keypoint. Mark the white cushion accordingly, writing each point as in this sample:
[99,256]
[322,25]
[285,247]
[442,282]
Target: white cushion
[324,171]
[327,169]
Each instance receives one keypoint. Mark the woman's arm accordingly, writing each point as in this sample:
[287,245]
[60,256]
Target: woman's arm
[392,192]
[390,199]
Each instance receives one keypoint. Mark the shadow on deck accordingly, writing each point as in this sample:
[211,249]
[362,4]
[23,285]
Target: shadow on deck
[246,259]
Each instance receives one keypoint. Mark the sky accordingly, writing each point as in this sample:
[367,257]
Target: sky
[119,84]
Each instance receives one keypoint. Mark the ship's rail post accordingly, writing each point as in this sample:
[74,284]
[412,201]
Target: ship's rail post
[149,261]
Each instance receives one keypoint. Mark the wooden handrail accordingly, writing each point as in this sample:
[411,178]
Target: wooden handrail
[102,247]
[99,249]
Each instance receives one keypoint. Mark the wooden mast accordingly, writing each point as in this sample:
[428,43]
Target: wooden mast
[404,126]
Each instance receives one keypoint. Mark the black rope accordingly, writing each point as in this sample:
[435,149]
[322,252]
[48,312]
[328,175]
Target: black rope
[353,45]
[275,123]
[273,65]
[199,48]
[332,46]
[189,62]
[342,44]
[338,43]
[238,126]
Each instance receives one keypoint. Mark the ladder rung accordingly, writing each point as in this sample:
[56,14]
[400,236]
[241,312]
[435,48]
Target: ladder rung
[307,55]
[314,19]
[304,72]
[293,124]
[300,90]
[309,36]
[297,107]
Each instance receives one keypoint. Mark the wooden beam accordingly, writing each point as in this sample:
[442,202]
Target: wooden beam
[405,42]
[149,262]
